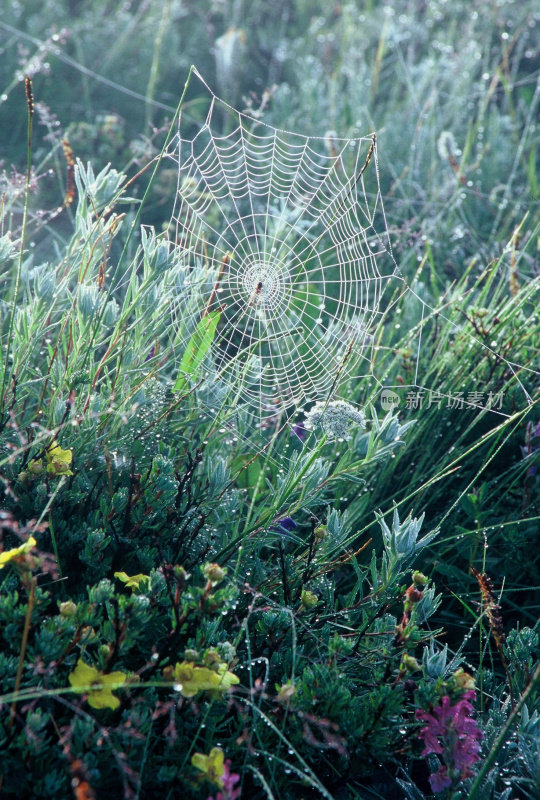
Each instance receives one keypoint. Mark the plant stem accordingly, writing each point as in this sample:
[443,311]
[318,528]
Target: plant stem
[154,69]
[54,544]
[22,654]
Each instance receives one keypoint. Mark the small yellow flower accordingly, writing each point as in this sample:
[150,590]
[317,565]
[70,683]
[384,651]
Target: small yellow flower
[192,679]
[16,552]
[133,581]
[213,765]
[85,678]
[58,460]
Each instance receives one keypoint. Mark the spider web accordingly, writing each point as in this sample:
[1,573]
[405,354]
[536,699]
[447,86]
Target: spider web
[285,236]
[288,234]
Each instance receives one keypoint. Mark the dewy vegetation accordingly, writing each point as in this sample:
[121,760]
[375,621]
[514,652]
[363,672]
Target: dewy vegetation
[340,601]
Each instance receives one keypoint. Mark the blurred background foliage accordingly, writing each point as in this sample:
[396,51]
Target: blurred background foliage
[451,90]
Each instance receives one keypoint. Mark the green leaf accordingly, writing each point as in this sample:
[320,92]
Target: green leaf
[353,478]
[198,346]
[469,503]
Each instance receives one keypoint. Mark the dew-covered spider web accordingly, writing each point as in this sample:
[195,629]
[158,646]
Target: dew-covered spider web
[286,244]
[290,243]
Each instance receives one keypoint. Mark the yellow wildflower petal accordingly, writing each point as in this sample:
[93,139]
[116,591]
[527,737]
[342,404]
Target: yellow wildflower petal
[195,679]
[9,555]
[113,678]
[200,761]
[55,451]
[103,698]
[226,678]
[83,676]
[216,766]
[87,679]
[133,581]
[58,460]
[213,765]
[184,672]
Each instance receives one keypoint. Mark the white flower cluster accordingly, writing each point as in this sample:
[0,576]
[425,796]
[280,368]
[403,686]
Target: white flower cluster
[335,418]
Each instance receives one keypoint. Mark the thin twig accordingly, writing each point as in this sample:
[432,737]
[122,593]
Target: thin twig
[26,631]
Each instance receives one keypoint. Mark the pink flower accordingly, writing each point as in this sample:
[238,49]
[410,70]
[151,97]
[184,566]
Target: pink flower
[452,733]
[440,780]
[228,779]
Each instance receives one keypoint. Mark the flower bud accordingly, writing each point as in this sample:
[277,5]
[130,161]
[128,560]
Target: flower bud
[463,679]
[214,573]
[68,608]
[211,657]
[309,599]
[319,533]
[410,663]
[180,576]
[35,467]
[419,578]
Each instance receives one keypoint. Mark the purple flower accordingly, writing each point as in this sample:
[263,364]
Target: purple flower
[440,780]
[299,431]
[228,779]
[452,733]
[151,353]
[286,524]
